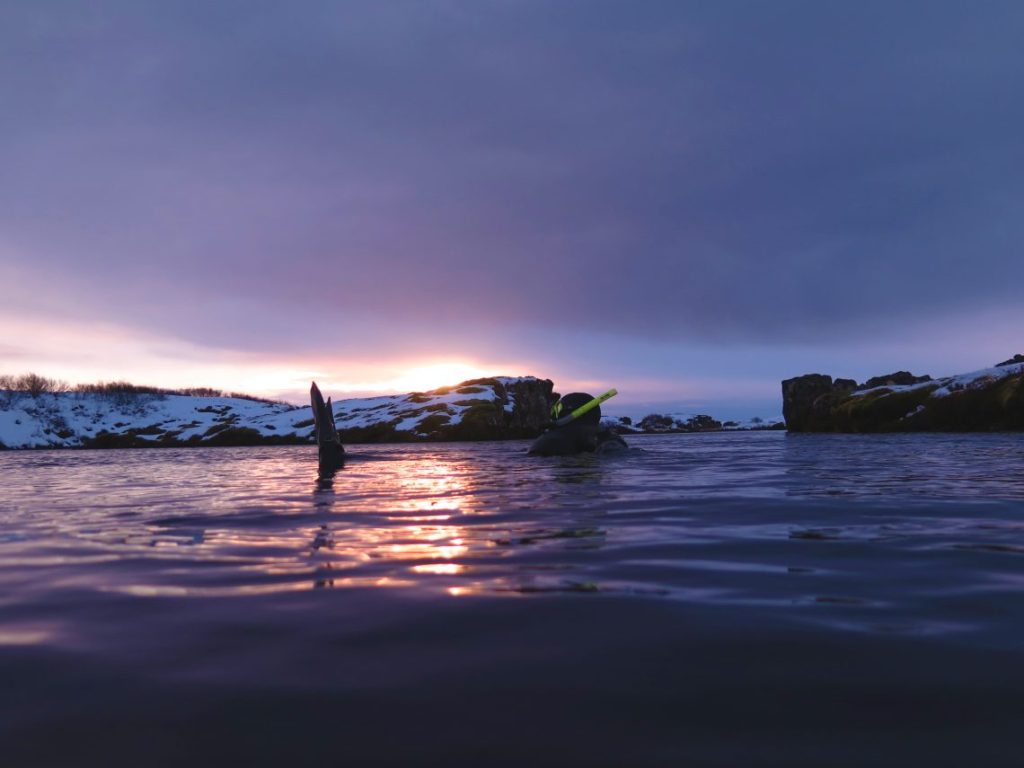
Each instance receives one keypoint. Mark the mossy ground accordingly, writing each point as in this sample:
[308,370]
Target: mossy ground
[881,411]
[998,407]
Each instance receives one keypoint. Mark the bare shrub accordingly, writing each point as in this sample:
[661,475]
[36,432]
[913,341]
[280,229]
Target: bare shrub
[255,399]
[34,384]
[199,392]
[120,391]
[118,388]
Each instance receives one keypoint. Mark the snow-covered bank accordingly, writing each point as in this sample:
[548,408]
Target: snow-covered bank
[75,419]
[660,423]
[481,409]
[989,399]
[949,384]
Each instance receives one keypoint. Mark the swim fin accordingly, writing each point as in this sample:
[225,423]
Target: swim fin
[332,452]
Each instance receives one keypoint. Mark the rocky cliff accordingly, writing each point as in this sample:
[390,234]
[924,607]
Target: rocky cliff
[482,409]
[991,399]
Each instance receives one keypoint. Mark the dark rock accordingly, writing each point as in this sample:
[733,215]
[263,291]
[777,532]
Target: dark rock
[807,400]
[656,422]
[897,379]
[1012,361]
[532,409]
[700,423]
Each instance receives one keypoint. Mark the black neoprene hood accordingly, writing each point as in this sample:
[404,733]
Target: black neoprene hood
[573,401]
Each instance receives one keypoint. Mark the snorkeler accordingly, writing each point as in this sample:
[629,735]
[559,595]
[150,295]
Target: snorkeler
[576,428]
[331,451]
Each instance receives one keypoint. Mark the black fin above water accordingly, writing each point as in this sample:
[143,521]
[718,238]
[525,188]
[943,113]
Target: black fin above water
[331,451]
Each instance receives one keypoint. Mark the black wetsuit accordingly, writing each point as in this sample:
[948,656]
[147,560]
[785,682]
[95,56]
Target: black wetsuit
[582,435]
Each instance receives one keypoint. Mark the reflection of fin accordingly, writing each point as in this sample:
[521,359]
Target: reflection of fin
[323,539]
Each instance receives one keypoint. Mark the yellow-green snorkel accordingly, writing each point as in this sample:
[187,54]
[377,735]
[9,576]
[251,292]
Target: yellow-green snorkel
[560,421]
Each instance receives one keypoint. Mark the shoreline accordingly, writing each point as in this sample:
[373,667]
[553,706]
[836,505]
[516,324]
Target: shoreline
[285,443]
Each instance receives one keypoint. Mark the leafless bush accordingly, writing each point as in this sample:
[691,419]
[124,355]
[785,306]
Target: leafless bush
[255,399]
[198,392]
[120,391]
[118,388]
[32,384]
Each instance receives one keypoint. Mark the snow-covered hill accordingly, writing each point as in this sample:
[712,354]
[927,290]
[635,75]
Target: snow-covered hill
[73,419]
[480,409]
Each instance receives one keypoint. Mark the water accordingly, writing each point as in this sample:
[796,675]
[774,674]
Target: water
[720,599]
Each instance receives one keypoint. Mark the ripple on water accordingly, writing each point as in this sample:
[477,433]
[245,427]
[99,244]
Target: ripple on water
[810,528]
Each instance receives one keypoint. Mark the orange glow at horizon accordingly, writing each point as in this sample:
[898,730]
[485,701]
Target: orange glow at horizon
[85,353]
[427,377]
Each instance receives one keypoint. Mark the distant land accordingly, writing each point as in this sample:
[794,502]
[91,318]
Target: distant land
[987,400]
[36,412]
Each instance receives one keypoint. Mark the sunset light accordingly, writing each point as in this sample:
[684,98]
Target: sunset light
[427,377]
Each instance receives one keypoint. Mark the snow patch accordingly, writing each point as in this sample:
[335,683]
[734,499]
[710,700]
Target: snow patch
[950,384]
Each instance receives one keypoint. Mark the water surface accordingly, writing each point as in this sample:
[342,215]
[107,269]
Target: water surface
[723,599]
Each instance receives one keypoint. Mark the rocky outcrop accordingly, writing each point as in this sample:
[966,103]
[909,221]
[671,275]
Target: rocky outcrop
[807,401]
[898,379]
[660,423]
[991,399]
[531,405]
[1012,361]
[499,408]
[656,422]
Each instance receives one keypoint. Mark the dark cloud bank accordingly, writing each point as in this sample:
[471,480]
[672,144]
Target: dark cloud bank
[687,171]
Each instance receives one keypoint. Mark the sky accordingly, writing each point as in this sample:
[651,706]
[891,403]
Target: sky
[688,201]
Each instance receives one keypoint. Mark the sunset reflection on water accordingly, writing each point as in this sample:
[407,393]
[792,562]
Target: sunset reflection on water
[389,518]
[452,521]
[416,530]
[436,519]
